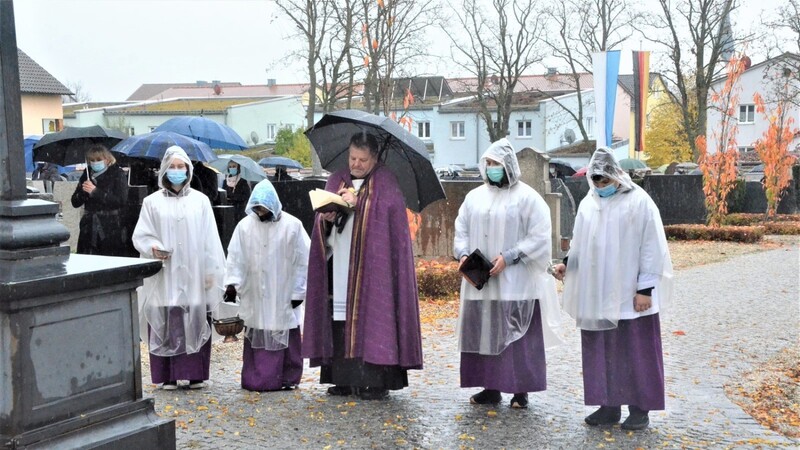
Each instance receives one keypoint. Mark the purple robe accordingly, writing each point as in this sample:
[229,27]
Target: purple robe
[624,366]
[520,367]
[187,366]
[382,313]
[267,370]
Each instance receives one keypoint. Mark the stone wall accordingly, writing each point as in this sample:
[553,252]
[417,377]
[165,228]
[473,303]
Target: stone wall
[678,197]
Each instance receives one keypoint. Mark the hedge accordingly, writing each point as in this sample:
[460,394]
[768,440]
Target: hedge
[437,279]
[747,234]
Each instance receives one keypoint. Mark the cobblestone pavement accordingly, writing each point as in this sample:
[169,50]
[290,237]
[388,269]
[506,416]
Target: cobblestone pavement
[727,317]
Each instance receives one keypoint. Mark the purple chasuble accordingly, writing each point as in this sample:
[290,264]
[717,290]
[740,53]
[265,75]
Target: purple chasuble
[382,316]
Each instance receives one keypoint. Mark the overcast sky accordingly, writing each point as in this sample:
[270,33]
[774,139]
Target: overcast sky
[111,47]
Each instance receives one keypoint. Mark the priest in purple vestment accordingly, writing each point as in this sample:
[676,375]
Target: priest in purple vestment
[618,279]
[362,308]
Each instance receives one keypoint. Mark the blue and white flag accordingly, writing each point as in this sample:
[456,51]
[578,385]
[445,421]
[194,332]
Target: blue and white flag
[606,72]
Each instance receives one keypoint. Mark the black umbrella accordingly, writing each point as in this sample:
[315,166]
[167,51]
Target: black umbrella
[68,146]
[402,152]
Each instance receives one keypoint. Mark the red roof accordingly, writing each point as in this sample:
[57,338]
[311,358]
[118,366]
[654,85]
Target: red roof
[546,83]
[256,90]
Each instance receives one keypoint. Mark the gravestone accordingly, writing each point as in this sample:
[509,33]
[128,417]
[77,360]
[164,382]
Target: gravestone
[535,168]
[70,369]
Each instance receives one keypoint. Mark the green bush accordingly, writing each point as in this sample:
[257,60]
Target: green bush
[786,224]
[745,235]
[438,279]
[783,228]
[736,197]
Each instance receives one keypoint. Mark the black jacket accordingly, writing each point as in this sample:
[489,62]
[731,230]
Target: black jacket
[104,228]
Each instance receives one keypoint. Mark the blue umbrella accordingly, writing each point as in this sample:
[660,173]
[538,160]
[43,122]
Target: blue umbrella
[272,161]
[249,170]
[215,134]
[153,145]
[28,143]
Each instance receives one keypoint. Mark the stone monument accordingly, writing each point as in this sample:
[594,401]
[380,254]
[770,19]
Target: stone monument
[535,168]
[70,368]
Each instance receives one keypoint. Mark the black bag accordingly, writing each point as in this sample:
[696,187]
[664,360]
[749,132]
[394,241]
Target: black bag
[476,269]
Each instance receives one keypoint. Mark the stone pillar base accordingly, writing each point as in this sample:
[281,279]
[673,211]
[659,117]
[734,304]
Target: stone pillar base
[132,426]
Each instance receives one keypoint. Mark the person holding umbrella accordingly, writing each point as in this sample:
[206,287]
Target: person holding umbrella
[102,191]
[618,279]
[270,293]
[503,328]
[362,309]
[176,225]
[237,189]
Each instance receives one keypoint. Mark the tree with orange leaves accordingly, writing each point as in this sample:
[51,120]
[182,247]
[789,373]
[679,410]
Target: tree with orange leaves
[773,150]
[719,167]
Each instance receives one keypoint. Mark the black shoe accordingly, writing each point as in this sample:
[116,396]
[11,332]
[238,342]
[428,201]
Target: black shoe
[637,420]
[369,393]
[606,415]
[340,390]
[520,401]
[288,386]
[486,397]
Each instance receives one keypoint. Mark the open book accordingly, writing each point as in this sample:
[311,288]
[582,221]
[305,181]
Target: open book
[476,269]
[324,201]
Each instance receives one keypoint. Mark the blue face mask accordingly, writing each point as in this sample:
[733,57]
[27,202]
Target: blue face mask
[176,176]
[607,191]
[495,173]
[233,171]
[98,166]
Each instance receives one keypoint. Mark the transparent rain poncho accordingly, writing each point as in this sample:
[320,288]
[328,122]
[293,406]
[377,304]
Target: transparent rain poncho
[191,278]
[618,247]
[268,264]
[514,221]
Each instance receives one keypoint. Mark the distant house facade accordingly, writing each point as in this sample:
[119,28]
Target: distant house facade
[259,122]
[455,132]
[255,119]
[772,79]
[40,94]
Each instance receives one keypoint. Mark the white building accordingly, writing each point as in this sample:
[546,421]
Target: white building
[773,79]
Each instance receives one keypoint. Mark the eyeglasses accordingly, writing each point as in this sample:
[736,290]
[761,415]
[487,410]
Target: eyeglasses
[596,178]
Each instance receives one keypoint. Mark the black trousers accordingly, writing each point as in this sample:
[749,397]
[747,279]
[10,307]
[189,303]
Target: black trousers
[357,373]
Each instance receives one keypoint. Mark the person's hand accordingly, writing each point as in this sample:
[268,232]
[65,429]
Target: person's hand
[348,196]
[160,254]
[230,294]
[461,262]
[499,266]
[328,216]
[560,271]
[642,302]
[88,187]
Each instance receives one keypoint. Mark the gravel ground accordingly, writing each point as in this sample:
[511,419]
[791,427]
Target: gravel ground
[729,320]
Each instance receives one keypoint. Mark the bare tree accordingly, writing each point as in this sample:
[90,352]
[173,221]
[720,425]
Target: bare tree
[79,93]
[325,27]
[781,83]
[789,20]
[578,28]
[392,36]
[499,47]
[335,57]
[695,36]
